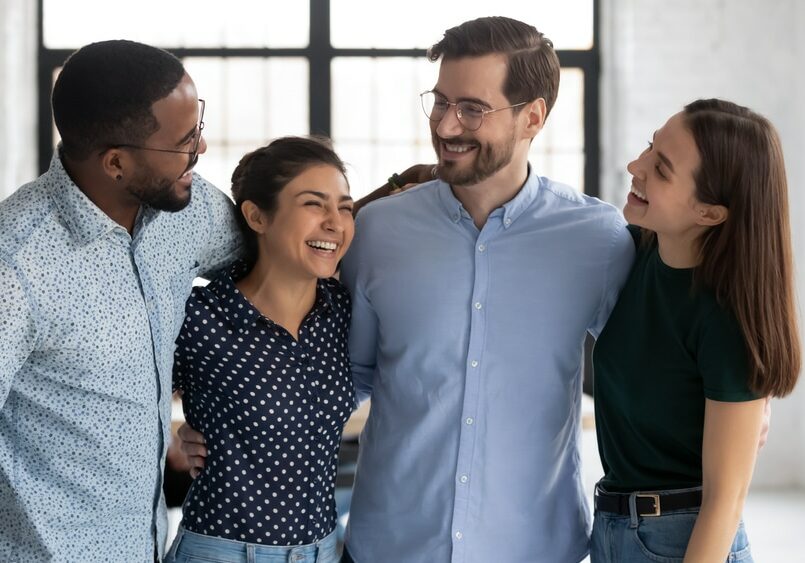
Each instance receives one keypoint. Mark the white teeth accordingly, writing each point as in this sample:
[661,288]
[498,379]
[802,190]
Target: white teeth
[323,245]
[457,148]
[639,194]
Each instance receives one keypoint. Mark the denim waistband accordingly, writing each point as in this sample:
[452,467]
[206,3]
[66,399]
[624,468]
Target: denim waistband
[249,551]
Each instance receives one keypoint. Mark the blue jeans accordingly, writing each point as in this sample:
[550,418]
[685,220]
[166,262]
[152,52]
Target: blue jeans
[664,539]
[189,547]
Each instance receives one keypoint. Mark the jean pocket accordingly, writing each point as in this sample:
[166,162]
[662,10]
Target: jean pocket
[665,539]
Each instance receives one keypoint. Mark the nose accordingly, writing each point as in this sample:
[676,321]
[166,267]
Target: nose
[636,168]
[333,220]
[449,126]
[202,145]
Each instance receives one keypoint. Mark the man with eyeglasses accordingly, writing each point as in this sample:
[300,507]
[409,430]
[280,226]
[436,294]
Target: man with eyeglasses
[97,257]
[472,295]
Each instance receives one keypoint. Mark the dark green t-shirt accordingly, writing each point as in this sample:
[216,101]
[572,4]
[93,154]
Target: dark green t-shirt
[665,348]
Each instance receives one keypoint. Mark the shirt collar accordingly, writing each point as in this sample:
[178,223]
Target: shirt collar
[240,312]
[85,221]
[512,209]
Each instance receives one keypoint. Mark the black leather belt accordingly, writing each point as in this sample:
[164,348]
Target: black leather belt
[647,504]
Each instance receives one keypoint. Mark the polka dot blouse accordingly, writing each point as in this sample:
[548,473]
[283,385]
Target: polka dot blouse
[271,409]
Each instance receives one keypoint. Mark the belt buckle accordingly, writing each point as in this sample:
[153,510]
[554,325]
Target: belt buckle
[656,499]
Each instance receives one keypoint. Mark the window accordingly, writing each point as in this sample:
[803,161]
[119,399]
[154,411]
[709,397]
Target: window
[350,69]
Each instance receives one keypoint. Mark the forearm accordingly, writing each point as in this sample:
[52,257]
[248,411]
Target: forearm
[716,526]
[415,174]
[729,449]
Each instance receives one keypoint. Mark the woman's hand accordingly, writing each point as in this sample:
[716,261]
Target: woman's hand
[193,445]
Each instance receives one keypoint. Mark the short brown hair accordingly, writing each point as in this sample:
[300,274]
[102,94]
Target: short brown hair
[533,67]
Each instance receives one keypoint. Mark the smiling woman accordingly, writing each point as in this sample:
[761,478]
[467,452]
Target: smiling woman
[262,361]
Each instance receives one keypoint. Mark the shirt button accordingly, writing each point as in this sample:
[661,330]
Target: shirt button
[459,535]
[478,305]
[474,363]
[464,479]
[481,247]
[469,420]
[508,222]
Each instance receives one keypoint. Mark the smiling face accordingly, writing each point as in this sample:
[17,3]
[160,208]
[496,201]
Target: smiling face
[469,157]
[162,179]
[312,226]
[663,193]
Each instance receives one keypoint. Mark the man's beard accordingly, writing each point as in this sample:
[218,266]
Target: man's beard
[158,193]
[489,159]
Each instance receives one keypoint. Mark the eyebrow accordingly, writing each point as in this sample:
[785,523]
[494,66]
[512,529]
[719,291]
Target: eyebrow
[473,100]
[323,195]
[665,159]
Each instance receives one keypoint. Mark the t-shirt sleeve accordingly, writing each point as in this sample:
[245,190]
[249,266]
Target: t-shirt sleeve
[723,359]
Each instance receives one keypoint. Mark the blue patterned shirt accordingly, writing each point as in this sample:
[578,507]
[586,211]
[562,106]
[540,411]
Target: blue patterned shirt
[271,408]
[470,345]
[88,320]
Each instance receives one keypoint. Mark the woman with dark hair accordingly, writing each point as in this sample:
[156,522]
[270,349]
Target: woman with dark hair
[704,330]
[263,364]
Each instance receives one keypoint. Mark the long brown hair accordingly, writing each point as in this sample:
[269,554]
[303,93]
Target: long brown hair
[747,260]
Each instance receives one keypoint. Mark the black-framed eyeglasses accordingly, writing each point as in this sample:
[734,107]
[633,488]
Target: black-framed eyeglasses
[196,142]
[470,114]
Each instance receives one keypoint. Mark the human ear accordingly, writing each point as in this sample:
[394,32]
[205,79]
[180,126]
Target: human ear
[712,215]
[255,217]
[115,164]
[535,112]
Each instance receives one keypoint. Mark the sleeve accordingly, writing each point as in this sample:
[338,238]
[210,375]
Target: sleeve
[363,325]
[17,327]
[183,353]
[224,243]
[723,359]
[619,264]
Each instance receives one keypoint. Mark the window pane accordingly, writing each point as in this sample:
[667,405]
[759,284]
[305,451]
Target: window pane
[379,127]
[377,121]
[421,23]
[558,151]
[201,23]
[249,102]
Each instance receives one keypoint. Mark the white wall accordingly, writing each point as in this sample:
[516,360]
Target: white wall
[17,94]
[659,55]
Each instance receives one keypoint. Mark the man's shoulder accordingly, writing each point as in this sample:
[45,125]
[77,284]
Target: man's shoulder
[563,195]
[404,210]
[423,195]
[21,214]
[565,202]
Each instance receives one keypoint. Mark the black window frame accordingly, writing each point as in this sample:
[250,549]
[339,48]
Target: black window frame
[320,54]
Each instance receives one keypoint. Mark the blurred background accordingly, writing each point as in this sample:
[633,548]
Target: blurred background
[353,69]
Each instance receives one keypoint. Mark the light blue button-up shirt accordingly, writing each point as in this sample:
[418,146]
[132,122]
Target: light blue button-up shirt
[470,345]
[88,320]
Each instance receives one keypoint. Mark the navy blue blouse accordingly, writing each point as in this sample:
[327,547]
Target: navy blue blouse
[271,409]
